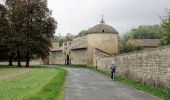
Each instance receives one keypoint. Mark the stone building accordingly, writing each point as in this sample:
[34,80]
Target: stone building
[81,51]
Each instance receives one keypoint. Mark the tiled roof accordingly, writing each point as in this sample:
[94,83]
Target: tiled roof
[144,42]
[59,49]
[80,42]
[102,28]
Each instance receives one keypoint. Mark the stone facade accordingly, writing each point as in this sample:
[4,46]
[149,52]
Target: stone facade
[80,51]
[55,46]
[79,56]
[107,43]
[57,57]
[150,66]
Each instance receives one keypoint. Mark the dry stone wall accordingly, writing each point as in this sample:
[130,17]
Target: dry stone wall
[36,62]
[150,66]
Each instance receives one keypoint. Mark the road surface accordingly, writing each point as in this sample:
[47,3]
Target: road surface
[84,84]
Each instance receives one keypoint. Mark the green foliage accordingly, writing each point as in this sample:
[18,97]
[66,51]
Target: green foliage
[166,25]
[146,32]
[142,32]
[82,33]
[26,29]
[68,37]
[53,89]
[3,33]
[125,47]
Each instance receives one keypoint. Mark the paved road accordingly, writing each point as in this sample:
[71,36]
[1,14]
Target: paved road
[84,84]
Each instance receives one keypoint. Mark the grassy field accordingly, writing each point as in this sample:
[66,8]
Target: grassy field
[31,83]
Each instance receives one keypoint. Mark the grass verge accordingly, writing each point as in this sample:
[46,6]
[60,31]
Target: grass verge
[165,95]
[53,90]
[36,84]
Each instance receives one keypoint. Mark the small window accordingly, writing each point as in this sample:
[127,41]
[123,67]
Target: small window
[103,31]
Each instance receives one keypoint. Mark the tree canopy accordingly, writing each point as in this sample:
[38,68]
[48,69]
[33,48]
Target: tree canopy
[141,32]
[166,25]
[145,32]
[26,28]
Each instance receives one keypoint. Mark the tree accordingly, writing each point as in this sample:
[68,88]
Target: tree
[32,26]
[68,37]
[3,28]
[5,34]
[16,37]
[146,32]
[82,33]
[166,25]
[125,47]
[38,28]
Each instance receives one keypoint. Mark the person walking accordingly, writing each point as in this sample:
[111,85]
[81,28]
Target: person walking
[113,70]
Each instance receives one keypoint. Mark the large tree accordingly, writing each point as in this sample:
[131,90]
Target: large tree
[38,28]
[82,33]
[16,37]
[166,25]
[3,32]
[145,32]
[141,32]
[6,45]
[32,26]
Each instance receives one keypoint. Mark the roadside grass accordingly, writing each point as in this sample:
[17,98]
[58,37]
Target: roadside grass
[37,84]
[165,95]
[53,90]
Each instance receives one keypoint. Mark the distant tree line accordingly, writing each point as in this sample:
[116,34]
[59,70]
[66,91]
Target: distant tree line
[161,32]
[26,30]
[69,37]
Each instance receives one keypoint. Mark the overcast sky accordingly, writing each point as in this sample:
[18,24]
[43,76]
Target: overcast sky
[76,15]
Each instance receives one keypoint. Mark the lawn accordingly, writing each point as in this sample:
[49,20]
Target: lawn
[31,83]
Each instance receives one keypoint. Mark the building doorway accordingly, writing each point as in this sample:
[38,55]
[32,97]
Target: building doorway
[68,60]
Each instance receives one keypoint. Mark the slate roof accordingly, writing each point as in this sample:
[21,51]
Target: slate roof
[145,42]
[79,43]
[102,28]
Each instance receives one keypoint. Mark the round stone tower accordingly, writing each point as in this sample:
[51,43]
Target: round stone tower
[102,37]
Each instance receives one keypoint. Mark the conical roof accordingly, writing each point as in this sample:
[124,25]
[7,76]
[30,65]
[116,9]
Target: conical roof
[102,28]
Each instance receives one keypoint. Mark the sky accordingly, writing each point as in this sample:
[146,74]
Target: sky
[74,16]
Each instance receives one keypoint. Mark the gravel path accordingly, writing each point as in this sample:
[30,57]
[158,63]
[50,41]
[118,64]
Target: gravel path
[84,84]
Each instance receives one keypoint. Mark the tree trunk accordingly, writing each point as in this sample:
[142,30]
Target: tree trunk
[10,59]
[18,57]
[27,59]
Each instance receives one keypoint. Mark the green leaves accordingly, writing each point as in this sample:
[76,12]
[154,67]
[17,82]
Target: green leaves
[28,26]
[146,32]
[166,25]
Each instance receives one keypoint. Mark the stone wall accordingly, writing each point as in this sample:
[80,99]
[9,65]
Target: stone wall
[36,62]
[150,66]
[57,57]
[55,46]
[79,57]
[101,59]
[105,42]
